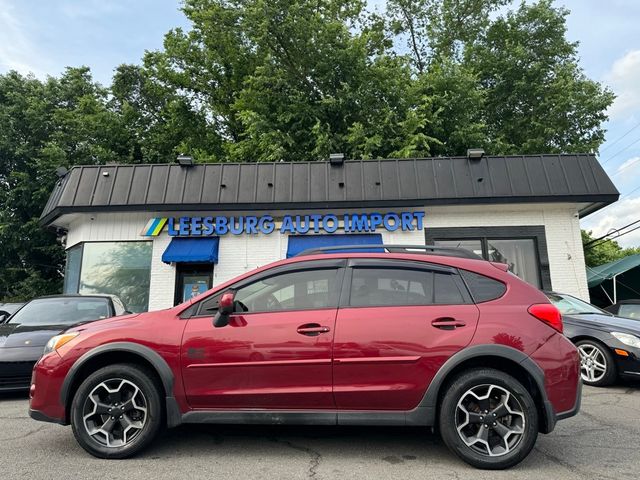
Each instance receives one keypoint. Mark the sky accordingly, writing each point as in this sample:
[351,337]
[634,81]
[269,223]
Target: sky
[43,37]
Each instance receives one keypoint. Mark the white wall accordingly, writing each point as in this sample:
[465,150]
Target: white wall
[238,254]
[562,228]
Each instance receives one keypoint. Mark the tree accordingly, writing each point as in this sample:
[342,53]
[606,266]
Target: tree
[599,253]
[270,80]
[537,97]
[44,125]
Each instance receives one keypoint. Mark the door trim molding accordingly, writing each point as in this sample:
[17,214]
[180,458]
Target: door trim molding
[270,363]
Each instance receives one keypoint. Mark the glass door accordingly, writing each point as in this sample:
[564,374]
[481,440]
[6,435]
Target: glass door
[192,280]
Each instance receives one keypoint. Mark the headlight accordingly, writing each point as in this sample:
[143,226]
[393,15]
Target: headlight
[59,340]
[627,339]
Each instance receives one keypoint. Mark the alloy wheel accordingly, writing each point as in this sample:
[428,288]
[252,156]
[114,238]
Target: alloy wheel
[490,420]
[593,363]
[115,412]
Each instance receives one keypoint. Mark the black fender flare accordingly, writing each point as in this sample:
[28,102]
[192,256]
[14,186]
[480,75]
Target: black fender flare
[430,399]
[159,364]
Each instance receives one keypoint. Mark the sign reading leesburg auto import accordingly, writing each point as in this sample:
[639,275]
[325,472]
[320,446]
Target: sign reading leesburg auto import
[290,224]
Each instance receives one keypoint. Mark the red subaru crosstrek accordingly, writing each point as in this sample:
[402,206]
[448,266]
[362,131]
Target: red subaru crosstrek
[433,339]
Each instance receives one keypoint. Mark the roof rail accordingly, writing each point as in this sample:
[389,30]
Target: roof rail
[424,249]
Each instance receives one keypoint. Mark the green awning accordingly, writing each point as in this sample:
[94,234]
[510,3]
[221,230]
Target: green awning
[597,275]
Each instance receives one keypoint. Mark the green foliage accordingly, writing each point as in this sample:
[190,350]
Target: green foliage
[603,252]
[270,80]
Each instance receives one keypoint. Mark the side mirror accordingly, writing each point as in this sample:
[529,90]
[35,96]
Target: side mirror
[225,308]
[4,315]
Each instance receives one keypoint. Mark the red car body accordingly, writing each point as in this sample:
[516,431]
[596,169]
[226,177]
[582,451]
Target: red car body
[382,365]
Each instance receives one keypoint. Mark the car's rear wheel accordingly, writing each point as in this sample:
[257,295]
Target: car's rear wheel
[597,366]
[488,419]
[116,411]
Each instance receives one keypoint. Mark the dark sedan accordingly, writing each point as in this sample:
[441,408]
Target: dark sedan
[24,334]
[626,309]
[609,346]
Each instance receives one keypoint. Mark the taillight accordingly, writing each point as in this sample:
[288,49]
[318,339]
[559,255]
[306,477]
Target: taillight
[548,314]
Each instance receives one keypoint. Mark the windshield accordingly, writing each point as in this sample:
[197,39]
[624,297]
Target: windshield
[61,311]
[569,305]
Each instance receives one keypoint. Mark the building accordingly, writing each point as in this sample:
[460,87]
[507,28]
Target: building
[157,234]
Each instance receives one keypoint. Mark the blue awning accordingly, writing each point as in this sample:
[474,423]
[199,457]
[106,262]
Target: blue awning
[300,243]
[192,250]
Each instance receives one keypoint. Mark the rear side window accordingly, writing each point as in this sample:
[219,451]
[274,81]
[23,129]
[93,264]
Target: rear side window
[483,288]
[398,287]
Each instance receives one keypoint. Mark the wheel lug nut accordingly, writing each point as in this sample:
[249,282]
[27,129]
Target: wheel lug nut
[494,424]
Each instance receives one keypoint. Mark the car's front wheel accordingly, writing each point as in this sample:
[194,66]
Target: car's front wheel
[116,411]
[488,419]
[597,367]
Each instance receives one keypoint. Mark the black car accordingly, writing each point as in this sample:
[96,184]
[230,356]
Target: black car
[6,309]
[24,334]
[626,309]
[609,346]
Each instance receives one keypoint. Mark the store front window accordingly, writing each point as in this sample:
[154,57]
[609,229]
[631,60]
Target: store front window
[118,268]
[523,248]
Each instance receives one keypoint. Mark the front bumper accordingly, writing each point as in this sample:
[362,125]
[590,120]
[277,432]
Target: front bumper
[44,395]
[629,365]
[15,376]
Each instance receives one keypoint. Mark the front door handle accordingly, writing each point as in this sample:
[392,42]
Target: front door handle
[447,323]
[312,329]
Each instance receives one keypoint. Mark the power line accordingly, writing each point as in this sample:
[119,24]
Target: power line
[610,233]
[619,152]
[609,239]
[626,166]
[620,138]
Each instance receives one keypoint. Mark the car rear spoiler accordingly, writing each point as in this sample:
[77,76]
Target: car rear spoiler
[501,266]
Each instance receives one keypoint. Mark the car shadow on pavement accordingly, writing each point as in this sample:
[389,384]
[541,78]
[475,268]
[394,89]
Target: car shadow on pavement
[7,396]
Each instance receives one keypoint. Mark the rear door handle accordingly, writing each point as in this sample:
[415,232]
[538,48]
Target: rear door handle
[447,323]
[312,329]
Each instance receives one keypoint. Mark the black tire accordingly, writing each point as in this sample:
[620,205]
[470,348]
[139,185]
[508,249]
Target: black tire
[516,446]
[142,423]
[610,374]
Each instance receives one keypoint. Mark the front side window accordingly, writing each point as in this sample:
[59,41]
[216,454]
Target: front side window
[399,286]
[116,268]
[62,311]
[300,290]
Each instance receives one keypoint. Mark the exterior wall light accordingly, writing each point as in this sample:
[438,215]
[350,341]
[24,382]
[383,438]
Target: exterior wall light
[336,159]
[185,161]
[475,153]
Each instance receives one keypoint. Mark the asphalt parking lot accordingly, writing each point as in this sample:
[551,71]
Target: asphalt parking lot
[601,442]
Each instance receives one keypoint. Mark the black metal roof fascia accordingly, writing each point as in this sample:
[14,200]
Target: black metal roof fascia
[314,185]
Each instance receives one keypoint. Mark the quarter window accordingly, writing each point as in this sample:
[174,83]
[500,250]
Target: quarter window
[483,288]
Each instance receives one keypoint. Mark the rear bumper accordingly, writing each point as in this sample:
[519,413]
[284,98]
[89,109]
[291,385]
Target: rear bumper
[41,417]
[576,408]
[560,361]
